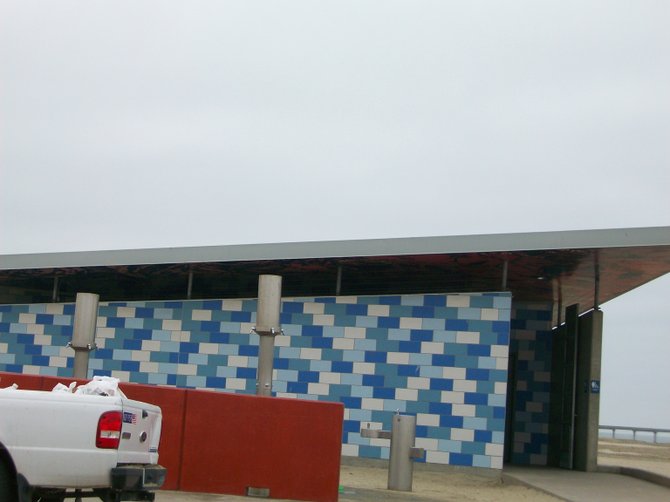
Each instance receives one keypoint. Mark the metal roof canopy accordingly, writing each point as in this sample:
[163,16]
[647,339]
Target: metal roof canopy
[565,267]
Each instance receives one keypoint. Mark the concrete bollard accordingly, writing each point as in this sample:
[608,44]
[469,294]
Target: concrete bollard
[83,331]
[403,451]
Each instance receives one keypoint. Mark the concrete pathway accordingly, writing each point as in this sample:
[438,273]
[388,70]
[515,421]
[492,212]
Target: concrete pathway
[577,486]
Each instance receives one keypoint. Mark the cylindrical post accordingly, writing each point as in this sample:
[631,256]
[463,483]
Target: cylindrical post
[83,331]
[267,327]
[401,466]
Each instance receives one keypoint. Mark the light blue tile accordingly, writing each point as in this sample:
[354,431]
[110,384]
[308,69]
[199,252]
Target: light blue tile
[230,327]
[365,344]
[157,378]
[134,323]
[481,461]
[422,359]
[351,379]
[197,359]
[170,368]
[287,375]
[399,334]
[449,445]
[366,322]
[161,335]
[228,349]
[226,372]
[19,329]
[470,314]
[196,381]
[475,423]
[169,346]
[122,355]
[360,415]
[353,355]
[487,363]
[395,406]
[430,371]
[361,391]
[160,313]
[62,320]
[497,400]
[444,336]
[412,300]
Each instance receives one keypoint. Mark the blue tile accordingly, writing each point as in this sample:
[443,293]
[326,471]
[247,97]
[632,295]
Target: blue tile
[460,459]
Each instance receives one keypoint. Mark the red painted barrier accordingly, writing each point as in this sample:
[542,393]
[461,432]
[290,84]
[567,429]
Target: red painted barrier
[290,447]
[227,443]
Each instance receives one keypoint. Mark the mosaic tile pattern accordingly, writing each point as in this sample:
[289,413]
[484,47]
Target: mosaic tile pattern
[531,341]
[442,358]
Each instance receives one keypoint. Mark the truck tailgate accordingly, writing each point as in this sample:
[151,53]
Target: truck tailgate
[140,433]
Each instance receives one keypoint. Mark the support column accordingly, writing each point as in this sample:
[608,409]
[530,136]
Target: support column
[587,404]
[267,326]
[83,331]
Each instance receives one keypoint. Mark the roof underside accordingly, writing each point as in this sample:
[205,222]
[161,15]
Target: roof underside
[559,267]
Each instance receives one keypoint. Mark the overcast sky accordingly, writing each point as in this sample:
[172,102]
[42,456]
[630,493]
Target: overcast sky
[133,124]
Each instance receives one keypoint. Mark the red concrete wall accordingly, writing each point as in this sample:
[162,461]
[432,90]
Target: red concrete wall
[225,443]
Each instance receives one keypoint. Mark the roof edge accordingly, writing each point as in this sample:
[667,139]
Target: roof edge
[484,243]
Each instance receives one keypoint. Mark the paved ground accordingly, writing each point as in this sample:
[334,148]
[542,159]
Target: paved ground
[365,481]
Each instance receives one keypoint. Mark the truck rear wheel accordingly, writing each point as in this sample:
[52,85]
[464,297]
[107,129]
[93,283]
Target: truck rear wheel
[7,483]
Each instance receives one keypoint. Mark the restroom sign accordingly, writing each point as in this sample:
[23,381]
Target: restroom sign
[595,386]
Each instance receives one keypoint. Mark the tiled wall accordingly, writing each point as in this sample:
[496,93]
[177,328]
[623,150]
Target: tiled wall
[531,342]
[442,358]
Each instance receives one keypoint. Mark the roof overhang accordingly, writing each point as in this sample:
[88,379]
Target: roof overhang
[584,266]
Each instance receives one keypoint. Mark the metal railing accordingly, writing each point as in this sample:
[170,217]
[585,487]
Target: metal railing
[634,430]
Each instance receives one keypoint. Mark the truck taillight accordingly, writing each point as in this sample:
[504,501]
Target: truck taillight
[109,430]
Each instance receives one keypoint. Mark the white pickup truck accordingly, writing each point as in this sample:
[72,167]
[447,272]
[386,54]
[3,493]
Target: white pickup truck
[58,445]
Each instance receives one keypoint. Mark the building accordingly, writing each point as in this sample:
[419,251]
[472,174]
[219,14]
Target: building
[492,341]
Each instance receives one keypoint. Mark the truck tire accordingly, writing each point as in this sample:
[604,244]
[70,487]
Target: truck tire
[8,491]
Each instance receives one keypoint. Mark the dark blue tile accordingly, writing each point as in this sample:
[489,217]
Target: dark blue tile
[448,420]
[411,347]
[428,312]
[479,350]
[351,402]
[44,318]
[356,309]
[342,366]
[240,317]
[246,373]
[441,384]
[213,382]
[408,370]
[308,376]
[388,322]
[477,374]
[421,335]
[248,350]
[443,360]
[375,357]
[373,380]
[383,393]
[296,387]
[475,398]
[130,365]
[456,325]
[312,331]
[444,409]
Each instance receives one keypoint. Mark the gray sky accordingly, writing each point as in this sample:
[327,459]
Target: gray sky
[134,124]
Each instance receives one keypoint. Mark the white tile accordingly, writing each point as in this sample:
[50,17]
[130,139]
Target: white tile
[489,314]
[209,348]
[172,325]
[354,332]
[450,396]
[378,310]
[43,340]
[418,383]
[371,403]
[494,450]
[124,376]
[500,388]
[467,337]
[125,312]
[151,345]
[350,450]
[282,341]
[202,315]
[458,300]
[462,435]
[453,373]
[238,361]
[397,358]
[437,457]
[410,323]
[465,385]
[236,383]
[346,299]
[35,329]
[27,318]
[58,362]
[323,320]
[499,351]
[343,343]
[407,394]
[232,305]
[428,419]
[329,377]
[432,348]
[140,355]
[313,308]
[55,308]
[308,353]
[496,462]
[187,369]
[318,389]
[362,368]
[463,410]
[501,363]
